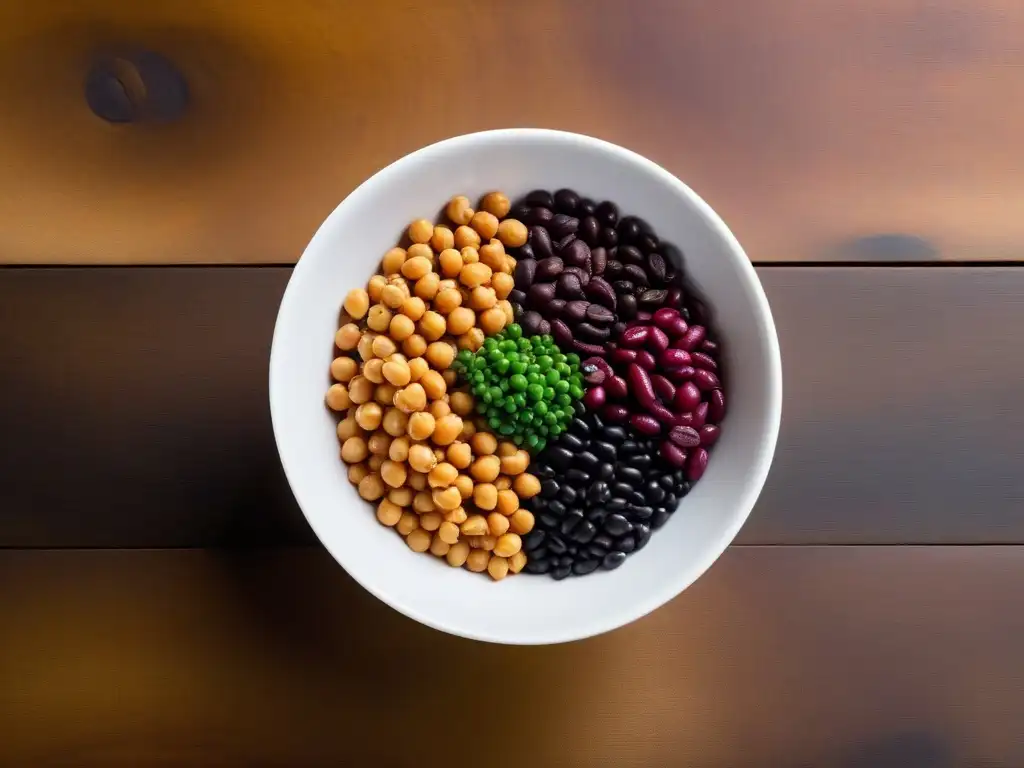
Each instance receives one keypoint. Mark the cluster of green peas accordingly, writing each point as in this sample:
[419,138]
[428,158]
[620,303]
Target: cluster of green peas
[524,387]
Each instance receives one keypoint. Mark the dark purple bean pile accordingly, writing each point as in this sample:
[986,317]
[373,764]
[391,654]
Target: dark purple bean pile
[604,489]
[585,272]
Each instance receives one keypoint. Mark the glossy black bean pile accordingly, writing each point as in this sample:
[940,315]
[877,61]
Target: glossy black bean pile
[604,489]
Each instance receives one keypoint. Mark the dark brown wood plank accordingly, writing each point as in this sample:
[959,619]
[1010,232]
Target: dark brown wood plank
[866,130]
[880,657]
[136,409]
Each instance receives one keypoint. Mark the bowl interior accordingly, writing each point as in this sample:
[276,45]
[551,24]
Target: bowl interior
[346,251]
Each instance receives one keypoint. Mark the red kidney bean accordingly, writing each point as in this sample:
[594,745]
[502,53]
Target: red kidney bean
[584,348]
[577,253]
[684,420]
[679,328]
[569,286]
[562,225]
[706,380]
[673,454]
[656,266]
[700,416]
[709,346]
[716,407]
[662,414]
[684,437]
[548,269]
[663,388]
[709,435]
[687,397]
[580,272]
[629,254]
[682,373]
[645,424]
[674,358]
[657,341]
[664,317]
[691,339]
[540,241]
[525,270]
[530,321]
[589,230]
[616,387]
[696,465]
[616,413]
[537,216]
[561,333]
[701,360]
[635,336]
[636,274]
[644,316]
[601,364]
[593,375]
[592,333]
[540,294]
[595,397]
[600,315]
[645,360]
[600,291]
[598,260]
[640,385]
[674,298]
[623,356]
[554,308]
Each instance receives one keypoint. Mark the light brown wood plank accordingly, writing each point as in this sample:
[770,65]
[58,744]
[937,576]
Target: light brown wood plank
[818,129]
[136,408]
[778,656]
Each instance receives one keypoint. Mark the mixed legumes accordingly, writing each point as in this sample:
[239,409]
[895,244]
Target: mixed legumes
[527,388]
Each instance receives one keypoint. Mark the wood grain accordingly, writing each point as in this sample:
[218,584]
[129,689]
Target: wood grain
[844,657]
[878,130]
[136,408]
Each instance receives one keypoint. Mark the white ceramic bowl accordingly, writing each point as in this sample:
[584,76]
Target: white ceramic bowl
[525,609]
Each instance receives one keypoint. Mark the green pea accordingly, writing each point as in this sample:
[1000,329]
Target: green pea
[503,384]
[558,358]
[512,356]
[550,418]
[510,406]
[481,407]
[561,387]
[526,417]
[494,356]
[501,366]
[478,377]
[513,331]
[570,411]
[518,382]
[525,345]
[575,392]
[506,429]
[549,394]
[493,422]
[520,399]
[533,378]
[556,430]
[535,391]
[517,439]
[540,408]
[563,369]
[541,445]
[563,399]
[544,363]
[542,430]
[487,397]
[518,368]
[552,377]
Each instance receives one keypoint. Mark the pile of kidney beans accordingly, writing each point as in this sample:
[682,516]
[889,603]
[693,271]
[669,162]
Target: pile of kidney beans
[607,288]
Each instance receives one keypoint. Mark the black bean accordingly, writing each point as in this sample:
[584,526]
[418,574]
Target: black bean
[618,328]
[570,441]
[598,260]
[622,489]
[642,462]
[525,251]
[615,433]
[608,213]
[603,450]
[548,488]
[531,322]
[564,242]
[556,544]
[577,253]
[583,567]
[538,217]
[589,231]
[635,498]
[540,294]
[612,270]
[540,241]
[617,525]
[576,310]
[561,572]
[596,421]
[668,482]
[516,296]
[641,513]
[653,298]
[656,267]
[595,550]
[596,515]
[569,286]
[540,197]
[558,457]
[683,488]
[625,543]
[636,273]
[630,475]
[616,504]
[577,477]
[548,269]
[534,539]
[547,519]
[562,225]
[584,532]
[654,493]
[642,534]
[599,314]
[538,566]
[648,242]
[561,333]
[628,229]
[556,506]
[613,560]
[519,211]
[629,254]
[630,447]
[587,207]
[592,333]
[606,471]
[579,427]
[580,272]
[569,522]
[671,501]
[623,288]
[599,492]
[517,312]
[609,237]
[525,271]
[554,307]
[567,559]
[587,461]
[659,519]
[566,201]
[567,495]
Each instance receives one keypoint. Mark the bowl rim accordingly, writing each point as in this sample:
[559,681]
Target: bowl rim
[666,590]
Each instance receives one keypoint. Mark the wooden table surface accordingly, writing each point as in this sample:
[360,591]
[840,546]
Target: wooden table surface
[164,601]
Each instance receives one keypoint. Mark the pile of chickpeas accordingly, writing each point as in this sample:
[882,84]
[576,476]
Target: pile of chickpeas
[409,438]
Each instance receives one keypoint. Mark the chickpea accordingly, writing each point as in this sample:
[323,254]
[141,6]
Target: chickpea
[411,398]
[418,540]
[422,502]
[526,486]
[371,487]
[459,210]
[439,409]
[389,513]
[420,231]
[417,367]
[347,337]
[414,346]
[360,390]
[392,296]
[497,568]
[419,251]
[375,287]
[473,275]
[472,339]
[460,320]
[485,443]
[384,347]
[439,454]
[385,394]
[337,397]
[485,224]
[482,297]
[450,261]
[421,458]
[433,384]
[369,415]
[356,303]
[461,403]
[447,498]
[448,532]
[485,469]
[440,354]
[396,371]
[512,233]
[475,525]
[457,555]
[400,496]
[407,523]
[442,475]
[447,429]
[485,496]
[508,502]
[365,345]
[416,267]
[493,255]
[517,562]
[357,472]
[457,516]
[460,455]
[478,560]
[379,443]
[354,450]
[344,368]
[503,483]
[417,481]
[465,237]
[521,521]
[393,473]
[486,541]
[497,523]
[399,448]
[392,261]
[430,521]
[465,485]
[432,325]
[374,370]
[510,265]
[447,300]
[516,463]
[506,306]
[470,255]
[401,328]
[414,307]
[374,462]
[497,204]
[507,448]
[426,286]
[502,284]
[347,428]
[379,318]
[492,321]
[421,425]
